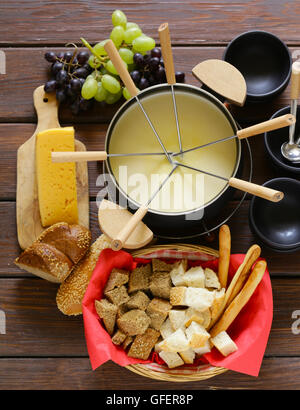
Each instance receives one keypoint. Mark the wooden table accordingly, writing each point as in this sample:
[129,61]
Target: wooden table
[43,349]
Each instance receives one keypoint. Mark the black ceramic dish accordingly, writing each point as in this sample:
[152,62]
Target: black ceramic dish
[265,62]
[277,225]
[275,139]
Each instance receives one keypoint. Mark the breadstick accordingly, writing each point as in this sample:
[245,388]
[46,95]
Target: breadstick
[241,299]
[242,273]
[224,254]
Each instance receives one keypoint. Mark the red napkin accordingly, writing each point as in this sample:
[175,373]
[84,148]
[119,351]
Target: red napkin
[250,330]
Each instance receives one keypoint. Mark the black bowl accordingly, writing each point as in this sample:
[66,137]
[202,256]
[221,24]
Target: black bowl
[275,139]
[277,224]
[265,62]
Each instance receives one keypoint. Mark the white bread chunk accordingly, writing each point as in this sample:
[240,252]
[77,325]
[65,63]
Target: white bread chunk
[224,343]
[176,342]
[177,273]
[206,318]
[193,315]
[194,277]
[204,349]
[211,279]
[171,359]
[198,298]
[166,329]
[157,347]
[188,356]
[177,318]
[197,335]
[217,303]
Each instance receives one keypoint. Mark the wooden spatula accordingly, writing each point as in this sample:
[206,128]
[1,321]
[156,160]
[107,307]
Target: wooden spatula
[223,78]
[28,215]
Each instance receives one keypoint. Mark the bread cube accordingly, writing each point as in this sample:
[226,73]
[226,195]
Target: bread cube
[117,278]
[117,296]
[157,347]
[121,310]
[143,344]
[211,279]
[198,298]
[177,296]
[188,356]
[118,338]
[134,322]
[217,303]
[160,284]
[193,315]
[166,329]
[161,266]
[206,318]
[158,310]
[196,335]
[139,278]
[194,277]
[204,349]
[178,271]
[108,312]
[177,318]
[224,343]
[138,301]
[176,342]
[171,359]
[127,342]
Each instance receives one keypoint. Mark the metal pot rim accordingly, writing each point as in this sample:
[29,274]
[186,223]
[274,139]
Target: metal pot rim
[149,91]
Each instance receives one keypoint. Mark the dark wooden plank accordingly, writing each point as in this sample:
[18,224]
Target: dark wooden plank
[36,328]
[16,91]
[242,239]
[192,22]
[76,374]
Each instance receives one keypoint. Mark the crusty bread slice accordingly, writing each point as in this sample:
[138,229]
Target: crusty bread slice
[224,343]
[143,344]
[134,322]
[107,311]
[45,261]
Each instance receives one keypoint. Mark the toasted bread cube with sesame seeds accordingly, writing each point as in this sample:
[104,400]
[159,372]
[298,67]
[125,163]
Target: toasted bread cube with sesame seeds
[177,318]
[121,310]
[134,322]
[139,278]
[176,342]
[196,335]
[117,296]
[143,344]
[117,278]
[161,266]
[211,279]
[178,271]
[118,338]
[177,296]
[223,342]
[194,277]
[171,359]
[107,311]
[166,329]
[127,342]
[188,356]
[138,301]
[158,310]
[160,284]
[204,349]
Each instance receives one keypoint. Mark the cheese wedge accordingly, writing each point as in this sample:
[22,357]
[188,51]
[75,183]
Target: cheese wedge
[56,182]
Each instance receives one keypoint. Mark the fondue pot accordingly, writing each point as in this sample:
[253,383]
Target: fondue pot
[172,223]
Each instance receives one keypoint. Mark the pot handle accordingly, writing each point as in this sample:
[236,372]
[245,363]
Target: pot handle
[127,230]
[119,65]
[270,125]
[258,190]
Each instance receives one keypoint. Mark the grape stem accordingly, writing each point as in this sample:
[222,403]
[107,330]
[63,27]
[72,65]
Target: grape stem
[87,45]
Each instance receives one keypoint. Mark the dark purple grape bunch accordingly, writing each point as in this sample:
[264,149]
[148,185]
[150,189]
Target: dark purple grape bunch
[67,76]
[150,70]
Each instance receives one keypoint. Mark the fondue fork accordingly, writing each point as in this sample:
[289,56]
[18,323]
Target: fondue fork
[119,241]
[166,49]
[270,125]
[254,189]
[76,156]
[118,63]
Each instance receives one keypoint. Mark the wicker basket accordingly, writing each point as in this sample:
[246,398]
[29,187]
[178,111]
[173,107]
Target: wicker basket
[183,373]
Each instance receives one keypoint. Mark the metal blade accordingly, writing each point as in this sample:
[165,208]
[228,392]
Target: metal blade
[200,170]
[160,187]
[204,145]
[176,118]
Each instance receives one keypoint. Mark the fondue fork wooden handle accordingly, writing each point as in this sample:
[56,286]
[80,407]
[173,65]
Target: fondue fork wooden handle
[119,241]
[78,156]
[119,65]
[166,50]
[295,81]
[270,125]
[258,190]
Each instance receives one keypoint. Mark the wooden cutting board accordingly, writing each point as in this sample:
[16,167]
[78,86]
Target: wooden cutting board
[28,215]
